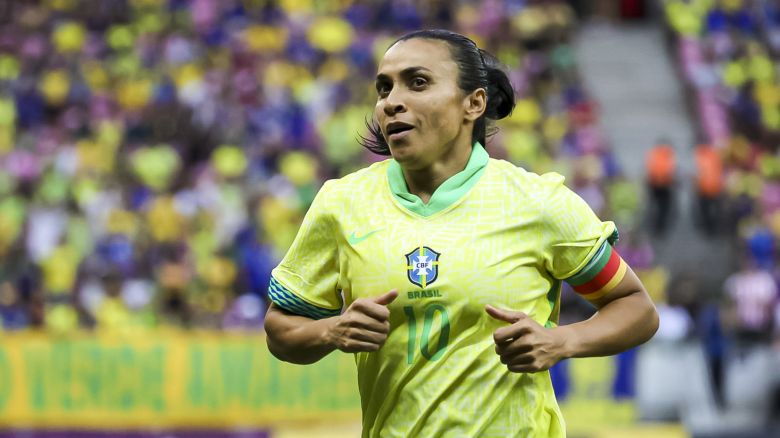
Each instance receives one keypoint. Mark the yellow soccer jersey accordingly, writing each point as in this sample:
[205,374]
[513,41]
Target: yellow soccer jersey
[492,234]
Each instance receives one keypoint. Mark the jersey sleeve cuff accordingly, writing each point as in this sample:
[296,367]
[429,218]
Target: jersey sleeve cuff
[289,301]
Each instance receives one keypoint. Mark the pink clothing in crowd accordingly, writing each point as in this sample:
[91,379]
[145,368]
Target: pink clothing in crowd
[755,294]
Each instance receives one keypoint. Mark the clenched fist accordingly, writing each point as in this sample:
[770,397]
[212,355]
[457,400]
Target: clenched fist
[525,346]
[364,326]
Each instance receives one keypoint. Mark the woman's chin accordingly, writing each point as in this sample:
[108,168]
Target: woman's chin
[403,152]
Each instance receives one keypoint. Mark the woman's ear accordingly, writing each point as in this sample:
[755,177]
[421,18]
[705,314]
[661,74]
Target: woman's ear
[475,104]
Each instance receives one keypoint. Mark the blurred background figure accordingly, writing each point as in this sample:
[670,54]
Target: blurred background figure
[661,168]
[709,188]
[752,296]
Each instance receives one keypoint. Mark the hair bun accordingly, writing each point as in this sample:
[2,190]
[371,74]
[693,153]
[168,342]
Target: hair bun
[500,94]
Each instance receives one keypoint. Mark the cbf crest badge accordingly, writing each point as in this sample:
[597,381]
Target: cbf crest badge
[422,266]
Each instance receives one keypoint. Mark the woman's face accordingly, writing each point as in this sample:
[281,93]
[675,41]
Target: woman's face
[420,108]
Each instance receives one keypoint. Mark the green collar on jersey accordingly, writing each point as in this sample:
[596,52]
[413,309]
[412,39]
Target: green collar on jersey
[447,193]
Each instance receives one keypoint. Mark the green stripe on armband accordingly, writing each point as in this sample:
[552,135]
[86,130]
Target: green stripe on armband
[594,266]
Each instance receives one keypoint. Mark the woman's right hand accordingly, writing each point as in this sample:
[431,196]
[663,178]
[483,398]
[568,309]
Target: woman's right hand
[364,326]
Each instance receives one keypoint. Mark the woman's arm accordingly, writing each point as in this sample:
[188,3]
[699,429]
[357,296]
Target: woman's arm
[625,319]
[364,326]
[297,339]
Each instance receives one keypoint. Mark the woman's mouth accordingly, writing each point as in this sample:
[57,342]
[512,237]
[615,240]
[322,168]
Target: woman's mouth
[399,135]
[398,130]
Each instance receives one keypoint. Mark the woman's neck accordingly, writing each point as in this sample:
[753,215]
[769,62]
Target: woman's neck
[423,182]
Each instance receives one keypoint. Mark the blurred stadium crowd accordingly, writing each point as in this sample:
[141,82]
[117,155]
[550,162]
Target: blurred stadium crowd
[158,155]
[727,53]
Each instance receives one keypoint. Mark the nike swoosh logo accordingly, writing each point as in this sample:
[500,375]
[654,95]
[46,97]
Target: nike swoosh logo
[354,240]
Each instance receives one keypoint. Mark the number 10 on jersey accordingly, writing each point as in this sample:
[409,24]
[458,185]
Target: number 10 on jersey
[428,316]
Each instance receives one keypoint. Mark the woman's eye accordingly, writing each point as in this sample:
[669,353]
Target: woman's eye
[419,82]
[382,90]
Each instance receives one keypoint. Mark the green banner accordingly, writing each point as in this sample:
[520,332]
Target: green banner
[168,380]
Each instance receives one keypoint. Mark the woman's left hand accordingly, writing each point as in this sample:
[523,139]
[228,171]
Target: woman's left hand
[525,346]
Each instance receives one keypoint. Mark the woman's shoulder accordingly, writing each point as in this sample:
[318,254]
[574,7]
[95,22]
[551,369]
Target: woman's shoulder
[524,180]
[363,180]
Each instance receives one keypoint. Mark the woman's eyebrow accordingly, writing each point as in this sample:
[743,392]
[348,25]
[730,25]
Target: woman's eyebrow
[408,71]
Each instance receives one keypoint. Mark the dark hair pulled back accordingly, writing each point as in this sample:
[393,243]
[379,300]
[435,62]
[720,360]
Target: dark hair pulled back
[476,69]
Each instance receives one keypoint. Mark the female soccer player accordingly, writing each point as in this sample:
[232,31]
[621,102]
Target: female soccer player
[441,268]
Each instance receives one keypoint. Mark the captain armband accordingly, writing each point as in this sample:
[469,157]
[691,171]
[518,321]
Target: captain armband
[601,275]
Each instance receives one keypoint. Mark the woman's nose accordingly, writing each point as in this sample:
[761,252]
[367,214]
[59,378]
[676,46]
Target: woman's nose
[394,104]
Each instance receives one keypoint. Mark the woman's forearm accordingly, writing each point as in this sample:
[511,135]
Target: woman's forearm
[363,327]
[297,339]
[618,326]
